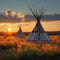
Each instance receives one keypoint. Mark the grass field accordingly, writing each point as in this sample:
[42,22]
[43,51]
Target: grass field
[14,48]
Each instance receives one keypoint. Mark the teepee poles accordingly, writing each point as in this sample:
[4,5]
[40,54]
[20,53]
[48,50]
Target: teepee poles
[38,33]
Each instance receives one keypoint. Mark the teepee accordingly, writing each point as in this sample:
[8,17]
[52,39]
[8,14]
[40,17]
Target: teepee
[20,33]
[38,33]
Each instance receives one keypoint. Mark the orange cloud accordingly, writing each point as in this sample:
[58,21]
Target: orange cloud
[20,15]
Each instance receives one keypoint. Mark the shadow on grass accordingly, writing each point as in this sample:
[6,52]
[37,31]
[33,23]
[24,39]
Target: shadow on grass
[29,54]
[35,55]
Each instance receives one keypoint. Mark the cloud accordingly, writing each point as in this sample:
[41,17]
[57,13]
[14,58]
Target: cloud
[11,16]
[12,13]
[46,17]
[20,15]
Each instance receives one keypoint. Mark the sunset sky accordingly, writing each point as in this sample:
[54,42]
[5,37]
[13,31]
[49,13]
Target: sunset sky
[28,27]
[53,7]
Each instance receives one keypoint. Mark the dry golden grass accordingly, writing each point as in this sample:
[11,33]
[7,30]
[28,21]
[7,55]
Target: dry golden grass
[55,38]
[47,47]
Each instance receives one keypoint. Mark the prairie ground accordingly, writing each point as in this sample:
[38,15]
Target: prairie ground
[12,47]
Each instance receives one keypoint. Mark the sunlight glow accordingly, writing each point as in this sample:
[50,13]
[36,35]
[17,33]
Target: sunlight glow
[9,30]
[29,26]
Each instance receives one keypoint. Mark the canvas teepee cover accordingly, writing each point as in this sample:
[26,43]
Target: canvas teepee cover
[38,33]
[20,33]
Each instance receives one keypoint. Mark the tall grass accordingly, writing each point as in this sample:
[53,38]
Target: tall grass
[35,55]
[28,54]
[22,50]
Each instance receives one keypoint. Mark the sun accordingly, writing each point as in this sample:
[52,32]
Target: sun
[9,30]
